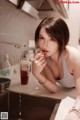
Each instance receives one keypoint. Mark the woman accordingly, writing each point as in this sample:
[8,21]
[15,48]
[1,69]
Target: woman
[57,61]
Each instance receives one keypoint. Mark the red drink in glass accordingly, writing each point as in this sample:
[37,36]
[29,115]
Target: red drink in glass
[24,77]
[24,71]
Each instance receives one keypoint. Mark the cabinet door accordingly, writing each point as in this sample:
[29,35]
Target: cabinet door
[37,108]
[13,106]
[4,102]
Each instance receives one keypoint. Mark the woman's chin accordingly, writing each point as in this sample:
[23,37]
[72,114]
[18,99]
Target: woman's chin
[46,55]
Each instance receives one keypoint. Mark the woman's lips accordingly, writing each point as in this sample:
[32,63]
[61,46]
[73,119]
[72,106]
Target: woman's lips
[45,51]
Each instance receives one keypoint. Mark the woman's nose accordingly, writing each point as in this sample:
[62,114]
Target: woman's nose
[45,44]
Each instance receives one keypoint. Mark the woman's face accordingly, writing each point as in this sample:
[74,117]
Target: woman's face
[47,44]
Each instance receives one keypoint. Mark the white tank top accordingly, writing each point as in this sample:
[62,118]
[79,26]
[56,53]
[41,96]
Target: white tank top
[68,79]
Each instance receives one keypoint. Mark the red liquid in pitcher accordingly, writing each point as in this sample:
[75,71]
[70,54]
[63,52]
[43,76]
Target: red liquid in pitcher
[24,77]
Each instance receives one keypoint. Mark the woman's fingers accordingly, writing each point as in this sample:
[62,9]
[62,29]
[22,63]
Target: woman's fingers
[41,58]
[72,116]
[39,55]
[44,64]
[41,62]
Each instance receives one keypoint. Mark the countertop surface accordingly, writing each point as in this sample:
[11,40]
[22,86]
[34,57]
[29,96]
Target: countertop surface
[33,88]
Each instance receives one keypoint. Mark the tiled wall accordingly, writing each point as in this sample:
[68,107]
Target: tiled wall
[15,26]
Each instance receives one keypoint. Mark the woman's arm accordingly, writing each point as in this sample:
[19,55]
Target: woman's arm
[47,83]
[76,70]
[43,74]
[75,111]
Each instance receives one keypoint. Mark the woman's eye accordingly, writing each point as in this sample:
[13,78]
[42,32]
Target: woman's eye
[41,38]
[52,39]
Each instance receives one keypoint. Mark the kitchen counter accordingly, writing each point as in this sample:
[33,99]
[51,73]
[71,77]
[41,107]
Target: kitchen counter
[33,88]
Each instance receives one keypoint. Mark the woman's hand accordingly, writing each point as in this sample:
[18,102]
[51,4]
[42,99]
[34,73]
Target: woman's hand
[74,113]
[72,116]
[38,64]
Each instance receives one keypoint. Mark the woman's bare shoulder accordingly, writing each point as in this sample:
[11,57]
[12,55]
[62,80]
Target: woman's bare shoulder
[73,54]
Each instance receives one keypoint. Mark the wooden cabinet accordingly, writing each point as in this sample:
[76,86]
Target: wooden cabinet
[32,107]
[4,102]
[37,108]
[13,106]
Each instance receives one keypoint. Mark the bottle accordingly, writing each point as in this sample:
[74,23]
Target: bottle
[31,55]
[6,62]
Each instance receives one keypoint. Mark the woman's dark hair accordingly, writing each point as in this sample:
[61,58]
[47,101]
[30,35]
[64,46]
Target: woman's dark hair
[57,28]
